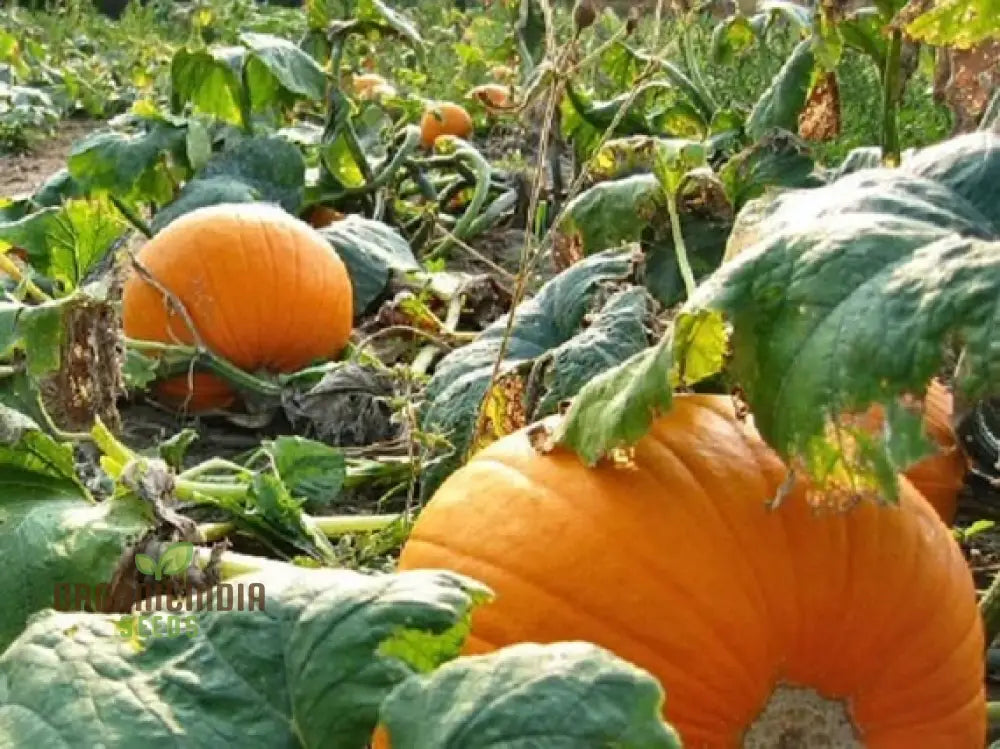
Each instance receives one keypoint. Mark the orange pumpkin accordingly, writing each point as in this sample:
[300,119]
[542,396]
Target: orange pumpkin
[444,118]
[371,86]
[763,625]
[492,95]
[939,477]
[262,288]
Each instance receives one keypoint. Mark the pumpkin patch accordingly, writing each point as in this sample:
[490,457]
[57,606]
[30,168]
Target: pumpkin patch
[499,374]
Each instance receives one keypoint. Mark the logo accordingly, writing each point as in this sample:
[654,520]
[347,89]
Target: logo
[164,606]
[174,560]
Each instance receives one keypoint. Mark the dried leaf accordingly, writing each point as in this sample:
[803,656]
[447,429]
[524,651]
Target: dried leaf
[820,118]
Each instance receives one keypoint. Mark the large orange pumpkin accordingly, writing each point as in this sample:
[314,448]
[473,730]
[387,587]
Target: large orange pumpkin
[444,118]
[939,477]
[264,290]
[763,625]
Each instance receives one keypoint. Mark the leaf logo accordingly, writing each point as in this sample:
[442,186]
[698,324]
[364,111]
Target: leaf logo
[174,560]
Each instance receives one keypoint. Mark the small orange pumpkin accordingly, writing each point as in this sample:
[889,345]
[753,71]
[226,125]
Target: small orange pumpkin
[262,288]
[371,86]
[492,95]
[765,626]
[444,118]
[939,477]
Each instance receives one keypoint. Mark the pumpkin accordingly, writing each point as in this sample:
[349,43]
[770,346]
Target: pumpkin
[491,95]
[444,118]
[765,626]
[371,86]
[939,477]
[263,289]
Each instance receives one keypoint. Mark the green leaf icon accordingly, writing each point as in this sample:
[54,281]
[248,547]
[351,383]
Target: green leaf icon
[176,558]
[145,564]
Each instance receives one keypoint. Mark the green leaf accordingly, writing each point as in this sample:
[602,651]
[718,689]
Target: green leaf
[846,295]
[305,671]
[570,694]
[267,169]
[276,64]
[53,538]
[633,209]
[147,565]
[731,38]
[957,23]
[309,470]
[373,253]
[779,159]
[991,115]
[209,81]
[862,30]
[379,12]
[616,408]
[584,321]
[779,106]
[24,446]
[130,166]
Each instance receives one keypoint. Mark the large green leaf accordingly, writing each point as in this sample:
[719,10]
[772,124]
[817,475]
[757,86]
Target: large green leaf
[564,695]
[311,670]
[268,169]
[847,294]
[64,243]
[373,252]
[779,106]
[53,537]
[584,321]
[276,67]
[209,81]
[128,165]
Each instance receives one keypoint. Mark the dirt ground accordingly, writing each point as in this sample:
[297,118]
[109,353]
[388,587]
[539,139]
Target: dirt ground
[23,173]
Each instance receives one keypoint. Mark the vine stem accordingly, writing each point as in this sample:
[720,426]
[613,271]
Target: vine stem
[890,82]
[679,247]
[9,267]
[989,609]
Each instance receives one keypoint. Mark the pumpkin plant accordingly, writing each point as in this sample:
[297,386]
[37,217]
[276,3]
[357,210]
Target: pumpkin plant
[843,627]
[246,282]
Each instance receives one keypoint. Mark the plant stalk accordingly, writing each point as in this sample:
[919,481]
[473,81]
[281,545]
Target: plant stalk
[890,115]
[679,247]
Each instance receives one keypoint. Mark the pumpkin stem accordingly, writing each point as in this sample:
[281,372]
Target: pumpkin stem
[799,718]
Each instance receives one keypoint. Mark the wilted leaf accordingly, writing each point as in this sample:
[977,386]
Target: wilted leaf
[820,118]
[849,291]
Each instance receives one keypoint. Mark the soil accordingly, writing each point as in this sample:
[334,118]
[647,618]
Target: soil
[22,174]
